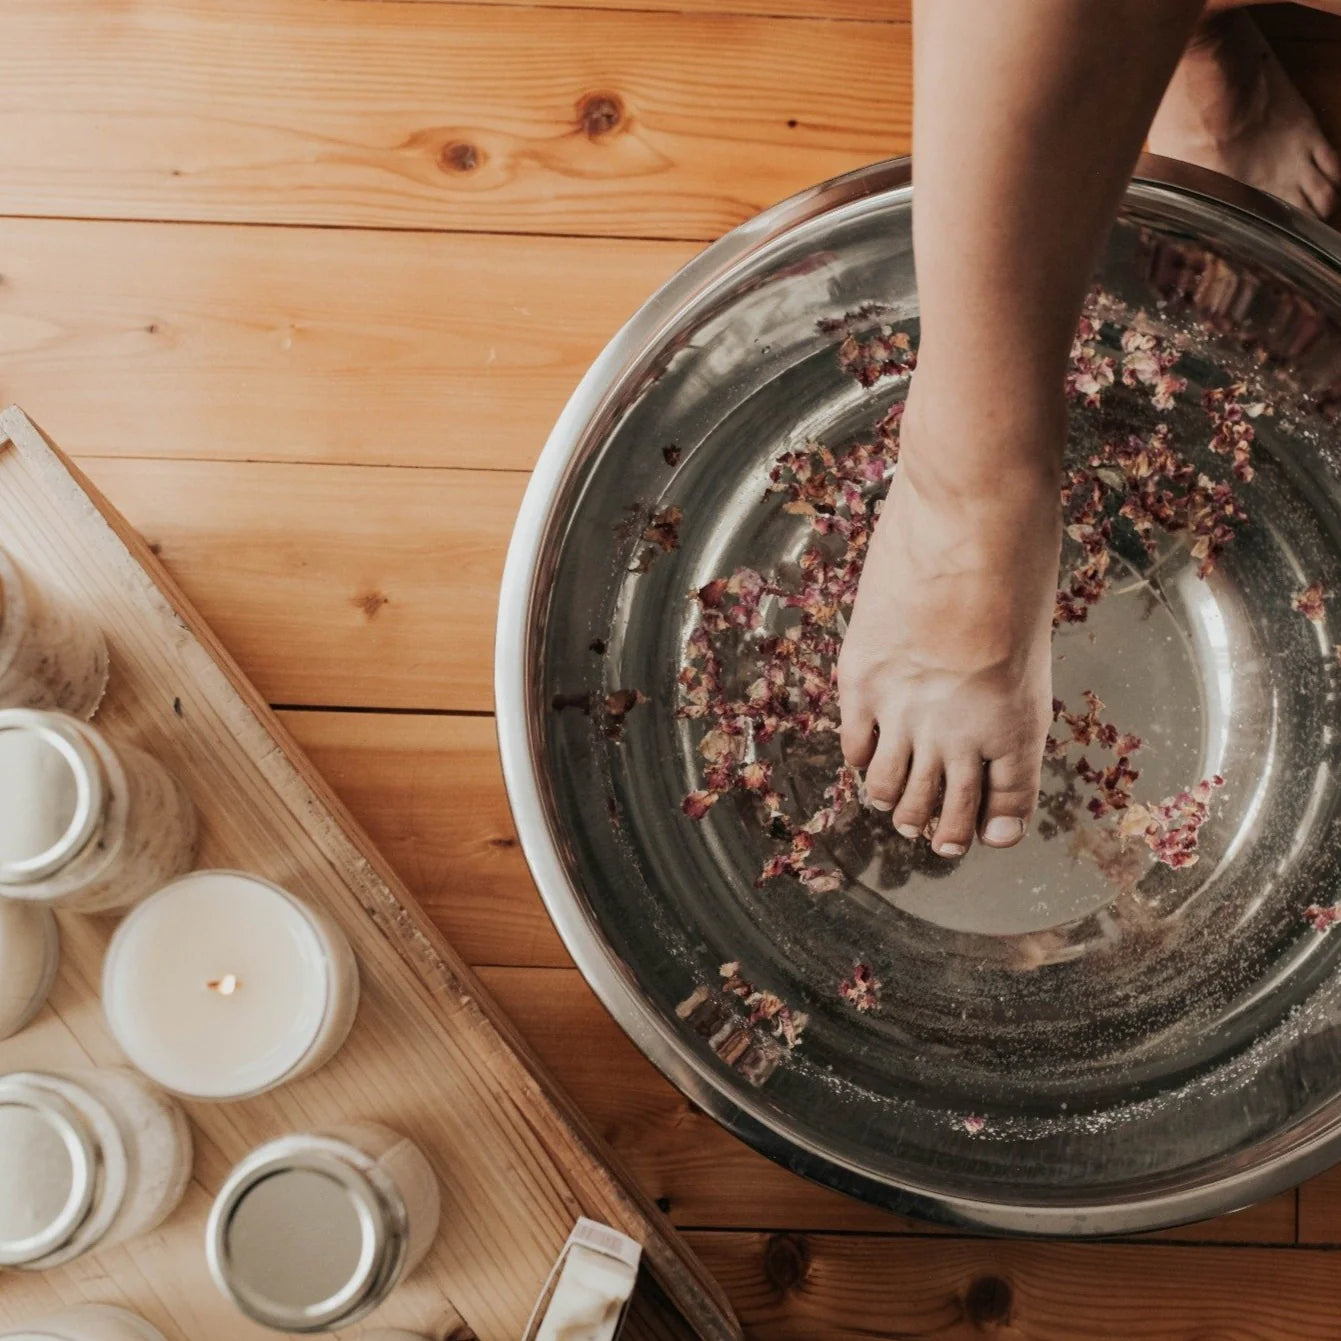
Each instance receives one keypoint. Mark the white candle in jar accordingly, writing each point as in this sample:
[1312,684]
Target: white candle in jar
[87,1159]
[312,1231]
[29,955]
[88,1322]
[50,655]
[85,824]
[222,985]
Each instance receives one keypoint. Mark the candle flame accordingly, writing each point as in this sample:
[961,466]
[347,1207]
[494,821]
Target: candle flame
[226,985]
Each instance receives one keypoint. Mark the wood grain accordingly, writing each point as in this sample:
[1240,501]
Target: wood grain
[477,117]
[875,11]
[429,1054]
[793,1287]
[363,587]
[429,792]
[364,347]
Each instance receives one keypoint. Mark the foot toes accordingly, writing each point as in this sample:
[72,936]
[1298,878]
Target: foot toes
[959,808]
[888,772]
[914,809]
[857,733]
[1012,793]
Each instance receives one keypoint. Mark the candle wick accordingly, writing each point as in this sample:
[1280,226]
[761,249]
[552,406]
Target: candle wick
[226,985]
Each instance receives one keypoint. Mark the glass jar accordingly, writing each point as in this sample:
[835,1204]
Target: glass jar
[87,1322]
[311,1232]
[50,657]
[87,1159]
[83,824]
[222,985]
[30,952]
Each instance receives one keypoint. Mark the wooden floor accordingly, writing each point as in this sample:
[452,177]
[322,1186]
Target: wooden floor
[303,284]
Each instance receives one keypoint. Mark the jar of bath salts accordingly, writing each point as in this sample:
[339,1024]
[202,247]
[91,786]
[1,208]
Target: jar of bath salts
[85,824]
[50,657]
[88,1322]
[311,1232]
[87,1159]
[30,951]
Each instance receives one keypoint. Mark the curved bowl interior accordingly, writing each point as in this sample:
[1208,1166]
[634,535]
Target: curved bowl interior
[1055,1047]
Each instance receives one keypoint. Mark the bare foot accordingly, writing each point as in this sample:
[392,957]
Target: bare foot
[1232,107]
[945,674]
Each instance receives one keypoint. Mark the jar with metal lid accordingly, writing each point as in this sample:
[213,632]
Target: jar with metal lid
[88,1322]
[85,824]
[311,1232]
[87,1159]
[50,657]
[30,951]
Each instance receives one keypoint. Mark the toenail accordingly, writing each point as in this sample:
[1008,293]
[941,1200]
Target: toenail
[877,804]
[1003,829]
[908,830]
[951,850]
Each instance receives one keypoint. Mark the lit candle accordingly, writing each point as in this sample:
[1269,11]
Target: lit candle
[85,824]
[30,951]
[50,657]
[312,1231]
[87,1159]
[88,1322]
[222,985]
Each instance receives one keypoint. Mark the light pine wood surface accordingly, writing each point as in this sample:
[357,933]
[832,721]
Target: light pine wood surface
[303,284]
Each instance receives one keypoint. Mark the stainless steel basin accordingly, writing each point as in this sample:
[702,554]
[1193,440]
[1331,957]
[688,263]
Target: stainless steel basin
[1052,1052]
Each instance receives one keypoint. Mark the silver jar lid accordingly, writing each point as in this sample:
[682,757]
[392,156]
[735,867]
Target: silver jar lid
[51,794]
[49,1169]
[307,1234]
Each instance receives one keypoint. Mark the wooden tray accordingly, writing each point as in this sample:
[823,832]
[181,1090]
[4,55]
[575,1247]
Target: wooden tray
[430,1055]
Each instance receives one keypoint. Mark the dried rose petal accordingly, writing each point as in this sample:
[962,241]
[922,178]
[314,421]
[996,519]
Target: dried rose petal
[1311,602]
[862,990]
[1323,918]
[973,1124]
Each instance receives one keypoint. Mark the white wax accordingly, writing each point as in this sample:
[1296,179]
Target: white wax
[222,985]
[29,956]
[88,1322]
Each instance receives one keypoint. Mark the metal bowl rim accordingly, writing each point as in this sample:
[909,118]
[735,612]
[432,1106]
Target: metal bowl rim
[514,693]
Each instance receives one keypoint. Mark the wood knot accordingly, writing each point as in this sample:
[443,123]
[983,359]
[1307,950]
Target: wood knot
[371,603]
[503,842]
[460,156]
[598,114]
[786,1262]
[988,1300]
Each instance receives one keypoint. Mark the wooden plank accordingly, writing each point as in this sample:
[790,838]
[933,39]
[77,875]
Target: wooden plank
[477,117]
[301,344]
[429,1053]
[792,1287]
[874,11]
[429,792]
[678,1153]
[362,587]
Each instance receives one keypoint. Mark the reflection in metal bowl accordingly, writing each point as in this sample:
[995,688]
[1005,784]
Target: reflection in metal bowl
[1051,1052]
